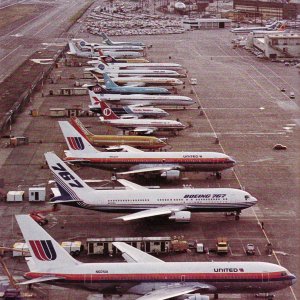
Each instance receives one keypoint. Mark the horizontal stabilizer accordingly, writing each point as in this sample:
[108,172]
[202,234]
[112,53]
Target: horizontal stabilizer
[40,279]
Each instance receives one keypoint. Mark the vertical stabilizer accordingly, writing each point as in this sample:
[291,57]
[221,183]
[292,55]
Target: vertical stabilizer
[109,83]
[77,144]
[46,253]
[107,112]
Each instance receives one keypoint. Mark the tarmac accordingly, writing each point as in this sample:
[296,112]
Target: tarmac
[241,105]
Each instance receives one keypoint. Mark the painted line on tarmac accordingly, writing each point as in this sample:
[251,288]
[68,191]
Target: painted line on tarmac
[11,52]
[241,187]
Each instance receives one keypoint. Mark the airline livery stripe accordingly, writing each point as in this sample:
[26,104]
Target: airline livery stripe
[173,277]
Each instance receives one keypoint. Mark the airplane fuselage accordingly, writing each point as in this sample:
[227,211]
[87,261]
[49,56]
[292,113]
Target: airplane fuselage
[172,100]
[141,278]
[194,200]
[184,161]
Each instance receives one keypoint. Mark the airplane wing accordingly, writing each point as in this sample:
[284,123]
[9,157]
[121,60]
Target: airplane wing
[174,290]
[144,130]
[40,279]
[152,212]
[133,255]
[123,148]
[152,169]
[130,185]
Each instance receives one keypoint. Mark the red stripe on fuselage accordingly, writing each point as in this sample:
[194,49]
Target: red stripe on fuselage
[166,276]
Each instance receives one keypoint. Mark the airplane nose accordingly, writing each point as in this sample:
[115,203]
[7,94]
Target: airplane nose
[294,279]
[231,160]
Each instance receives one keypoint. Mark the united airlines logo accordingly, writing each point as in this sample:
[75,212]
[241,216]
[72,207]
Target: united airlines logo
[76,143]
[228,270]
[43,250]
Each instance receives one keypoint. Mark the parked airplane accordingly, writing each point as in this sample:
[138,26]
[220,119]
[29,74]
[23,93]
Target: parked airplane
[142,126]
[131,111]
[144,274]
[142,202]
[274,26]
[109,58]
[171,100]
[144,142]
[138,81]
[83,44]
[113,63]
[112,87]
[137,162]
[114,71]
[109,42]
[91,53]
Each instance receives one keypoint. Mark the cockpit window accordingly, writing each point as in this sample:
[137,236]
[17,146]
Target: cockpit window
[247,197]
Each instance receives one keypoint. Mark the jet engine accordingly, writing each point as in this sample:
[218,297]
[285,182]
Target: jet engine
[171,175]
[197,297]
[181,216]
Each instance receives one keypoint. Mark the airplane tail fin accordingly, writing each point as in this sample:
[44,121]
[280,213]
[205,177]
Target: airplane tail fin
[102,67]
[107,112]
[109,59]
[76,123]
[77,144]
[45,251]
[71,187]
[73,48]
[108,82]
[106,39]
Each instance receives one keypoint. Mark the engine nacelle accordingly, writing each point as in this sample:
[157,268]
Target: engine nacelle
[171,175]
[181,216]
[197,297]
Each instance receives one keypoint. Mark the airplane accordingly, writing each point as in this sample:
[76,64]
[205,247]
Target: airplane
[274,26]
[142,126]
[100,92]
[143,275]
[142,202]
[113,141]
[104,68]
[83,44]
[109,42]
[137,81]
[131,111]
[113,63]
[91,53]
[132,161]
[109,58]
[112,87]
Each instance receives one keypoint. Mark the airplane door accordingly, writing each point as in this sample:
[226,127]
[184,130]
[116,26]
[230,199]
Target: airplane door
[265,277]
[87,278]
[182,278]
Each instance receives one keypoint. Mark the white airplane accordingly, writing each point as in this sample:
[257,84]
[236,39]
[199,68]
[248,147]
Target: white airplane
[83,44]
[144,275]
[277,25]
[100,92]
[137,81]
[142,126]
[113,63]
[91,53]
[130,111]
[133,161]
[109,42]
[115,71]
[142,202]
